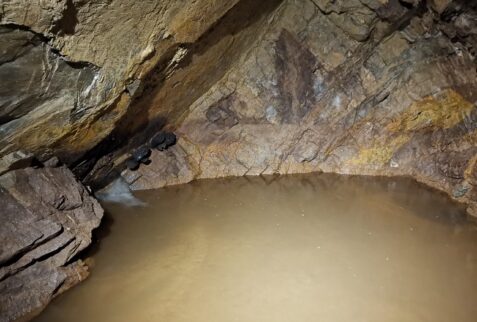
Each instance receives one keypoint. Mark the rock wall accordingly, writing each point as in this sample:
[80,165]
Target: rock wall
[376,87]
[47,218]
[362,86]
[353,87]
[70,68]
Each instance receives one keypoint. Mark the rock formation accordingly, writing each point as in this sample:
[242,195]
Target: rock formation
[375,87]
[47,218]
[72,68]
[353,87]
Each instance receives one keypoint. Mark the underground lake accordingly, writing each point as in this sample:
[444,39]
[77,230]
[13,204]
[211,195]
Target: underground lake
[314,247]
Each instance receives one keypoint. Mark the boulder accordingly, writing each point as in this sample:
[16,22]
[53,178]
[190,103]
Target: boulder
[47,219]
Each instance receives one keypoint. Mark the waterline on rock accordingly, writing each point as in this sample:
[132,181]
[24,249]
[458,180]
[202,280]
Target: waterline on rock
[288,248]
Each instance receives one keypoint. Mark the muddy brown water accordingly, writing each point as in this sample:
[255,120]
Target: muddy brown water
[294,248]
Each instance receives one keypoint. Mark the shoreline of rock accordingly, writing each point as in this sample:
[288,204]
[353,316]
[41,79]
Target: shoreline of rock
[47,220]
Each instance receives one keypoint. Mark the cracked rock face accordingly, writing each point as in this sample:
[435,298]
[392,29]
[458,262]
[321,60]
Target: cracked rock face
[353,87]
[47,218]
[70,68]
[375,87]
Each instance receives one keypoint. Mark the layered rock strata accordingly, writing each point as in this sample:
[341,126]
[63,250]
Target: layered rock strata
[351,87]
[375,87]
[362,87]
[47,218]
[71,68]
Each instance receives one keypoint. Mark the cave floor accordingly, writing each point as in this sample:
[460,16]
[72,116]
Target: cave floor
[293,248]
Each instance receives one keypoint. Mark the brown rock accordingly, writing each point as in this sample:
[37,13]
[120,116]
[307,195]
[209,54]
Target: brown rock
[47,218]
[15,160]
[87,51]
[403,105]
[440,5]
[376,87]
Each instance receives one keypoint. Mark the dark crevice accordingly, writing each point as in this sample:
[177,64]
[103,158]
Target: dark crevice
[13,26]
[6,119]
[51,254]
[406,5]
[67,24]
[12,260]
[75,64]
[43,257]
[47,41]
[98,234]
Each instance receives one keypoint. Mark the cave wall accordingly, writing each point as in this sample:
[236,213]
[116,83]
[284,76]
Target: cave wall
[353,87]
[71,68]
[376,87]
[280,86]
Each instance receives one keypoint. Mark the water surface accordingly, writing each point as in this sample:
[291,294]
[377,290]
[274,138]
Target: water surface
[294,248]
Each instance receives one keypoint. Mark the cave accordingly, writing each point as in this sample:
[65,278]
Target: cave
[238,160]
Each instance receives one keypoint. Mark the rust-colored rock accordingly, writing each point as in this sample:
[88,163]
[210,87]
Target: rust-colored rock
[374,87]
[73,67]
[312,96]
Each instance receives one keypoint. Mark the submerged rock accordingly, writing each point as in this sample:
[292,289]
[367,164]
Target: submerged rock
[46,219]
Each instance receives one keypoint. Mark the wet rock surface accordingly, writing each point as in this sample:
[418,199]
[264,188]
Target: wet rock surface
[269,87]
[249,87]
[74,67]
[47,218]
[353,87]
